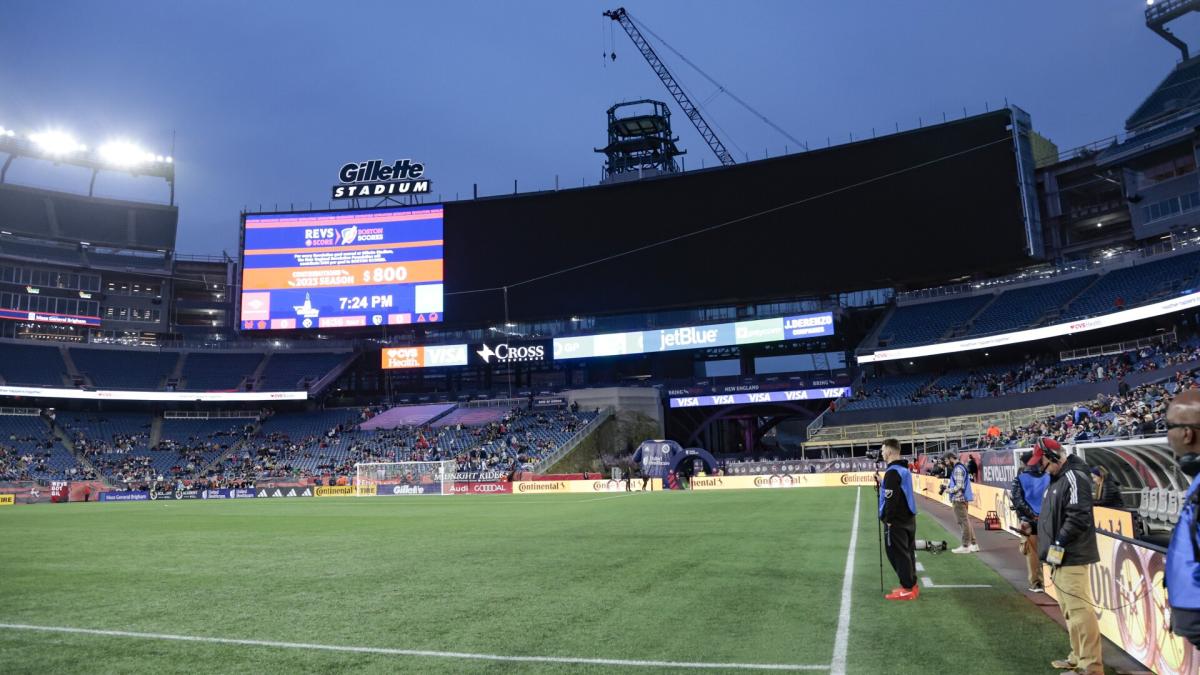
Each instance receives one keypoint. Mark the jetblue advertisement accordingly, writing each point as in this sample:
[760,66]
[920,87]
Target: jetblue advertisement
[695,337]
[342,269]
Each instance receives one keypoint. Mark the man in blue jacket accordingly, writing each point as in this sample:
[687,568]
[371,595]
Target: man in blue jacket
[1028,489]
[1183,556]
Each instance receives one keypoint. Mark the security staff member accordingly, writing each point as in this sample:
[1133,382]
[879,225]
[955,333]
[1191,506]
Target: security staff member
[1068,544]
[1028,489]
[1183,555]
[898,511]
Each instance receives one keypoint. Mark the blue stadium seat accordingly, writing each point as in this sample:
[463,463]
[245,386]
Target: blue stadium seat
[1137,285]
[286,370]
[30,365]
[925,323]
[124,369]
[1022,307]
[205,371]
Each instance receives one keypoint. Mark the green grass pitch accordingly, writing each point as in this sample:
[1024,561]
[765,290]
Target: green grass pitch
[710,577]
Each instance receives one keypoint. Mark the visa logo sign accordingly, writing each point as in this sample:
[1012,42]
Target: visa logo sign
[723,400]
[833,393]
[760,398]
[801,395]
[690,402]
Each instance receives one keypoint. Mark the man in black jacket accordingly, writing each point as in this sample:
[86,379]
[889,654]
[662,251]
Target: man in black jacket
[898,511]
[1068,544]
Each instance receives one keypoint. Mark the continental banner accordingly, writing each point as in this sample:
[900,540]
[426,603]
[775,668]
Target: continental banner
[8,500]
[783,480]
[535,487]
[335,491]
[989,498]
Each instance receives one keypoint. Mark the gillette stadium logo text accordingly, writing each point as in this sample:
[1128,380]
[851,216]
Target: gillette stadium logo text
[373,178]
[333,236]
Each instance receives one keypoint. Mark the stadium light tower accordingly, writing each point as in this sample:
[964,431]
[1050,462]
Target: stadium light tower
[1161,12]
[60,147]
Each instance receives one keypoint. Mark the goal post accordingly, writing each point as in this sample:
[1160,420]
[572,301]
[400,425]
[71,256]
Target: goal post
[404,478]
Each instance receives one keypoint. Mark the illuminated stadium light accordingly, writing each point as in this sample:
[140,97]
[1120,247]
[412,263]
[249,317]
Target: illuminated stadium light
[125,154]
[55,142]
[9,133]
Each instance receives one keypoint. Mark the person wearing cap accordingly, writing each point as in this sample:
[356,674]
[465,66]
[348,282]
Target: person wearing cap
[1028,489]
[1067,543]
[1182,574]
[898,511]
[959,490]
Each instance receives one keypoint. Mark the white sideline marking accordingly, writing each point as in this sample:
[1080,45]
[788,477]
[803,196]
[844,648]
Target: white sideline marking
[928,583]
[417,652]
[600,499]
[838,667]
[920,568]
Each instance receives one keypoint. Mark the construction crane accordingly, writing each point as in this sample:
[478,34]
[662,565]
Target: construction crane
[693,113]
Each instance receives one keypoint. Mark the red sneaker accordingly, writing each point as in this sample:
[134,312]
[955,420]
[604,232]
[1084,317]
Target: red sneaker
[916,591]
[902,594]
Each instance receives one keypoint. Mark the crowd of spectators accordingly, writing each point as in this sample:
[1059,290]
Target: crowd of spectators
[1132,413]
[513,443]
[1038,374]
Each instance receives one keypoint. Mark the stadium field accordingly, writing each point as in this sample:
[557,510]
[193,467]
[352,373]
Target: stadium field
[612,583]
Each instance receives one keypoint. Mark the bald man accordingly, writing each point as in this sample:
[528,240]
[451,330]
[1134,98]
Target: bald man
[1183,556]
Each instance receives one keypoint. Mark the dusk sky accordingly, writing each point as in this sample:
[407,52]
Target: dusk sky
[268,99]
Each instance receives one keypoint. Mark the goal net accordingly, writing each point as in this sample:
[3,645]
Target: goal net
[404,478]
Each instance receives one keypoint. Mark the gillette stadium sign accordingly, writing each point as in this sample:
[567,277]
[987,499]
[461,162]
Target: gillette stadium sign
[373,178]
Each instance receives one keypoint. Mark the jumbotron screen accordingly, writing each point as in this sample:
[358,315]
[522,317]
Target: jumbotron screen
[336,269]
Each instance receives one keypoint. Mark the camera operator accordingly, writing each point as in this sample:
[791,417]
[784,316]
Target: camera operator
[959,489]
[1028,489]
[898,511]
[1182,577]
[1068,544]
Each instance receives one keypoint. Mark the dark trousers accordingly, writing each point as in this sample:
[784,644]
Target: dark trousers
[1186,624]
[900,541]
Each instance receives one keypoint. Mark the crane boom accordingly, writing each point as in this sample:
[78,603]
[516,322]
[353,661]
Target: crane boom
[693,113]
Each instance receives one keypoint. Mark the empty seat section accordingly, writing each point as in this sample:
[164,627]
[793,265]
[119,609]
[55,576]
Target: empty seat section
[286,370]
[113,369]
[29,365]
[218,372]
[921,324]
[1137,285]
[1021,307]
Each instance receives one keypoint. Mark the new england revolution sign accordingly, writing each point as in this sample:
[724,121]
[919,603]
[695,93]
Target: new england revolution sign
[373,178]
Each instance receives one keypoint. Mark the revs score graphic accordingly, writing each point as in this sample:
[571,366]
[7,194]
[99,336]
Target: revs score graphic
[338,269]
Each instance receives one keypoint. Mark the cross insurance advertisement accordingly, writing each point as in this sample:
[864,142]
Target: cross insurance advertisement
[340,269]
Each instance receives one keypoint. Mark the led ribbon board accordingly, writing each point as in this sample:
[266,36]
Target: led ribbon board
[695,337]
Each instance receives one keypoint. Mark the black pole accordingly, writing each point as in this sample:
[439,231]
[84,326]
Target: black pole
[880,555]
[879,523]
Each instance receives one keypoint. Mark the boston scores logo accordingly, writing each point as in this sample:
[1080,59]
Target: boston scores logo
[373,178]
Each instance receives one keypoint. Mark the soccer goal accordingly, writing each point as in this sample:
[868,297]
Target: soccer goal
[404,478]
